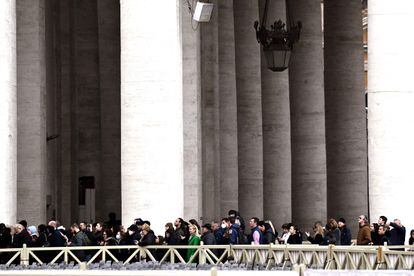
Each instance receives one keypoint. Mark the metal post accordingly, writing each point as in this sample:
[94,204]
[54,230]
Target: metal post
[24,256]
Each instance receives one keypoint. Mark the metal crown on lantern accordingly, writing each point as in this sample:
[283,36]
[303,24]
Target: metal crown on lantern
[278,41]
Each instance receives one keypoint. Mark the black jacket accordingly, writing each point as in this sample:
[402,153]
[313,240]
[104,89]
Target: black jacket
[317,239]
[346,236]
[208,238]
[22,238]
[148,239]
[269,237]
[397,234]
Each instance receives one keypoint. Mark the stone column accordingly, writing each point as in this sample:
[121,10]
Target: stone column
[86,104]
[249,109]
[308,117]
[192,116]
[210,122]
[110,106]
[346,144]
[276,132]
[8,112]
[390,110]
[151,112]
[31,111]
[227,94]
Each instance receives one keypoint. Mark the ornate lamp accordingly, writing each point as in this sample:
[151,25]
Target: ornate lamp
[277,42]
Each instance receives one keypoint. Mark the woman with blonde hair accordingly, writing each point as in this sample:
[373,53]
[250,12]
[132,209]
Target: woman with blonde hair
[318,234]
[193,240]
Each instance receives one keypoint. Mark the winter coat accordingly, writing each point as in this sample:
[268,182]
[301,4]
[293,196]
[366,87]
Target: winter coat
[317,239]
[346,236]
[364,235]
[397,234]
[194,240]
[208,238]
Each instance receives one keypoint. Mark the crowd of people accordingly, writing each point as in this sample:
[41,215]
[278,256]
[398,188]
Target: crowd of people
[230,230]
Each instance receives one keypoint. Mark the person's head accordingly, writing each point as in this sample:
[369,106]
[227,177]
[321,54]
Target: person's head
[32,230]
[23,223]
[99,226]
[232,213]
[112,216]
[107,233]
[232,220]
[261,225]
[132,229]
[41,228]
[169,227]
[193,229]
[318,228]
[19,228]
[398,222]
[285,227]
[341,222]
[206,228]
[194,222]
[292,229]
[382,220]
[74,228]
[253,222]
[178,222]
[362,219]
[145,229]
[83,226]
[214,226]
[412,233]
[225,223]
[381,230]
[332,224]
[52,223]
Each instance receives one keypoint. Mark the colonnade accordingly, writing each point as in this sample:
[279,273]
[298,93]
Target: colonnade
[177,118]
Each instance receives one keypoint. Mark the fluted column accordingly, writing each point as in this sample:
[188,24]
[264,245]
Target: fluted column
[8,112]
[308,117]
[249,109]
[31,111]
[110,106]
[346,141]
[276,132]
[390,110]
[151,112]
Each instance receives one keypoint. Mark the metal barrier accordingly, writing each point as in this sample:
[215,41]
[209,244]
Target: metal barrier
[268,256]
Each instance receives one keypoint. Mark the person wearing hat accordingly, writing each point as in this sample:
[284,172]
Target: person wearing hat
[346,235]
[207,235]
[133,235]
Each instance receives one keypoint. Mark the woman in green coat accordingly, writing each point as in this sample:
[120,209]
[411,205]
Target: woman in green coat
[194,240]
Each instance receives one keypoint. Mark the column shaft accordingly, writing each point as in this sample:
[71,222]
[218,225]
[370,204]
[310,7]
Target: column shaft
[110,106]
[249,109]
[31,111]
[151,113]
[8,112]
[390,111]
[276,133]
[192,117]
[346,143]
[307,107]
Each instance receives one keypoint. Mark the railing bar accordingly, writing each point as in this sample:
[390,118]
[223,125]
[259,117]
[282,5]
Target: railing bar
[165,256]
[196,253]
[149,254]
[95,256]
[73,256]
[132,256]
[57,257]
[13,258]
[212,254]
[112,256]
[35,257]
[179,256]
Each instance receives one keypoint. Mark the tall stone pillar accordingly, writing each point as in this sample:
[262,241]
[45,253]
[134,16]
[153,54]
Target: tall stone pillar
[210,115]
[151,112]
[87,108]
[346,144]
[276,132]
[192,150]
[8,112]
[31,111]
[110,107]
[249,109]
[308,117]
[228,193]
[390,110]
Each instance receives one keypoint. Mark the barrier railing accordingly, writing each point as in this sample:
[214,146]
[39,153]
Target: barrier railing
[268,256]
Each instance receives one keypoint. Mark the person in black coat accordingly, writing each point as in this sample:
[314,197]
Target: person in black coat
[346,235]
[208,237]
[21,237]
[295,235]
[397,233]
[381,237]
[148,238]
[318,236]
[269,236]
